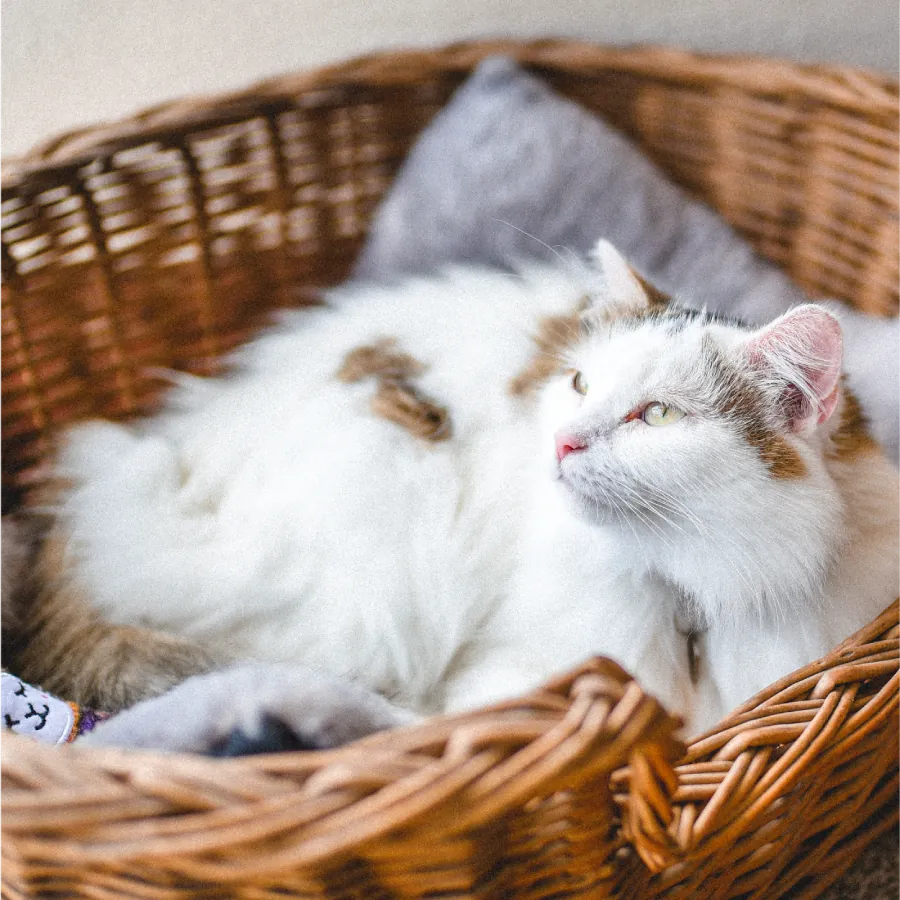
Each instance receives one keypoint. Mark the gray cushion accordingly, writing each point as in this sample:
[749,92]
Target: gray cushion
[508,167]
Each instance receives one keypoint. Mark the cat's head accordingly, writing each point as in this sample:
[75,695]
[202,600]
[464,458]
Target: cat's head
[669,414]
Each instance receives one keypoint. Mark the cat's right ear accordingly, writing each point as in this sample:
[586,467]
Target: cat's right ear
[621,288]
[800,354]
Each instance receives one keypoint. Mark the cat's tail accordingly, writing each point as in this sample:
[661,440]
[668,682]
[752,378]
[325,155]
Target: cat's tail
[113,489]
[64,645]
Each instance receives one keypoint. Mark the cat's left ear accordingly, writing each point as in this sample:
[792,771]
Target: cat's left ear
[621,286]
[800,354]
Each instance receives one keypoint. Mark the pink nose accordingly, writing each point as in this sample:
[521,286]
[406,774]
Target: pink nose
[566,444]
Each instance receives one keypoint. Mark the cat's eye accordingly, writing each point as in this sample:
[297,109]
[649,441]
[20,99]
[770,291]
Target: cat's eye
[661,414]
[579,383]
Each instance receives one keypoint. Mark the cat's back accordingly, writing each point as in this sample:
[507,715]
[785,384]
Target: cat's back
[464,329]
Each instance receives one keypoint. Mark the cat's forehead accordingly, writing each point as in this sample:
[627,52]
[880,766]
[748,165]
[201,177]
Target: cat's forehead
[668,341]
[671,321]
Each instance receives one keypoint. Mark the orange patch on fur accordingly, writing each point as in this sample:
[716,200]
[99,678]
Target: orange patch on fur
[851,438]
[742,403]
[403,404]
[781,458]
[397,399]
[657,300]
[380,360]
[555,334]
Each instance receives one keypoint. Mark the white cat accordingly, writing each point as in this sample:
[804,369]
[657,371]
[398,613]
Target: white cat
[386,489]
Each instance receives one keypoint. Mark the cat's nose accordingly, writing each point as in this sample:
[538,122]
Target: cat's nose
[566,444]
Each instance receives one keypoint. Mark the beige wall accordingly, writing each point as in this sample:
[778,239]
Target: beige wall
[72,62]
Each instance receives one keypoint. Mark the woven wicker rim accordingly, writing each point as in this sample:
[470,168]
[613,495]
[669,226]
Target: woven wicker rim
[841,87]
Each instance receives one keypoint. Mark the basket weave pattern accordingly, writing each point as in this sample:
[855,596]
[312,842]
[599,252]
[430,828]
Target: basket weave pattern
[165,240]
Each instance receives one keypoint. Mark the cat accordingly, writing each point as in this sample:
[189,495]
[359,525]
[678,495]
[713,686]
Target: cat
[449,489]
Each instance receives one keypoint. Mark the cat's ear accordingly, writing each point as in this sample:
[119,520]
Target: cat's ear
[800,355]
[620,285]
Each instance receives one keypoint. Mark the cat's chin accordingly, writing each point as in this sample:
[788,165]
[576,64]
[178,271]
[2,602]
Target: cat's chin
[584,506]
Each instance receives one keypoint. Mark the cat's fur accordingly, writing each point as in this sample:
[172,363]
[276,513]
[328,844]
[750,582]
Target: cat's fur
[16,550]
[278,513]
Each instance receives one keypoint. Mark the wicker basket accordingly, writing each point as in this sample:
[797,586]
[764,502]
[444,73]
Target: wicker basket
[167,239]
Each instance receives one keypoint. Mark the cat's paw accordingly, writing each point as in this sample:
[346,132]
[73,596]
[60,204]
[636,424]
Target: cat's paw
[270,735]
[252,708]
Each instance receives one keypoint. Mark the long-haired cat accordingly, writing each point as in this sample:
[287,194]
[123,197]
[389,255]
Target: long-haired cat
[449,489]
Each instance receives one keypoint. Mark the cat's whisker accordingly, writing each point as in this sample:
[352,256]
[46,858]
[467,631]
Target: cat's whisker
[641,499]
[642,516]
[574,258]
[627,521]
